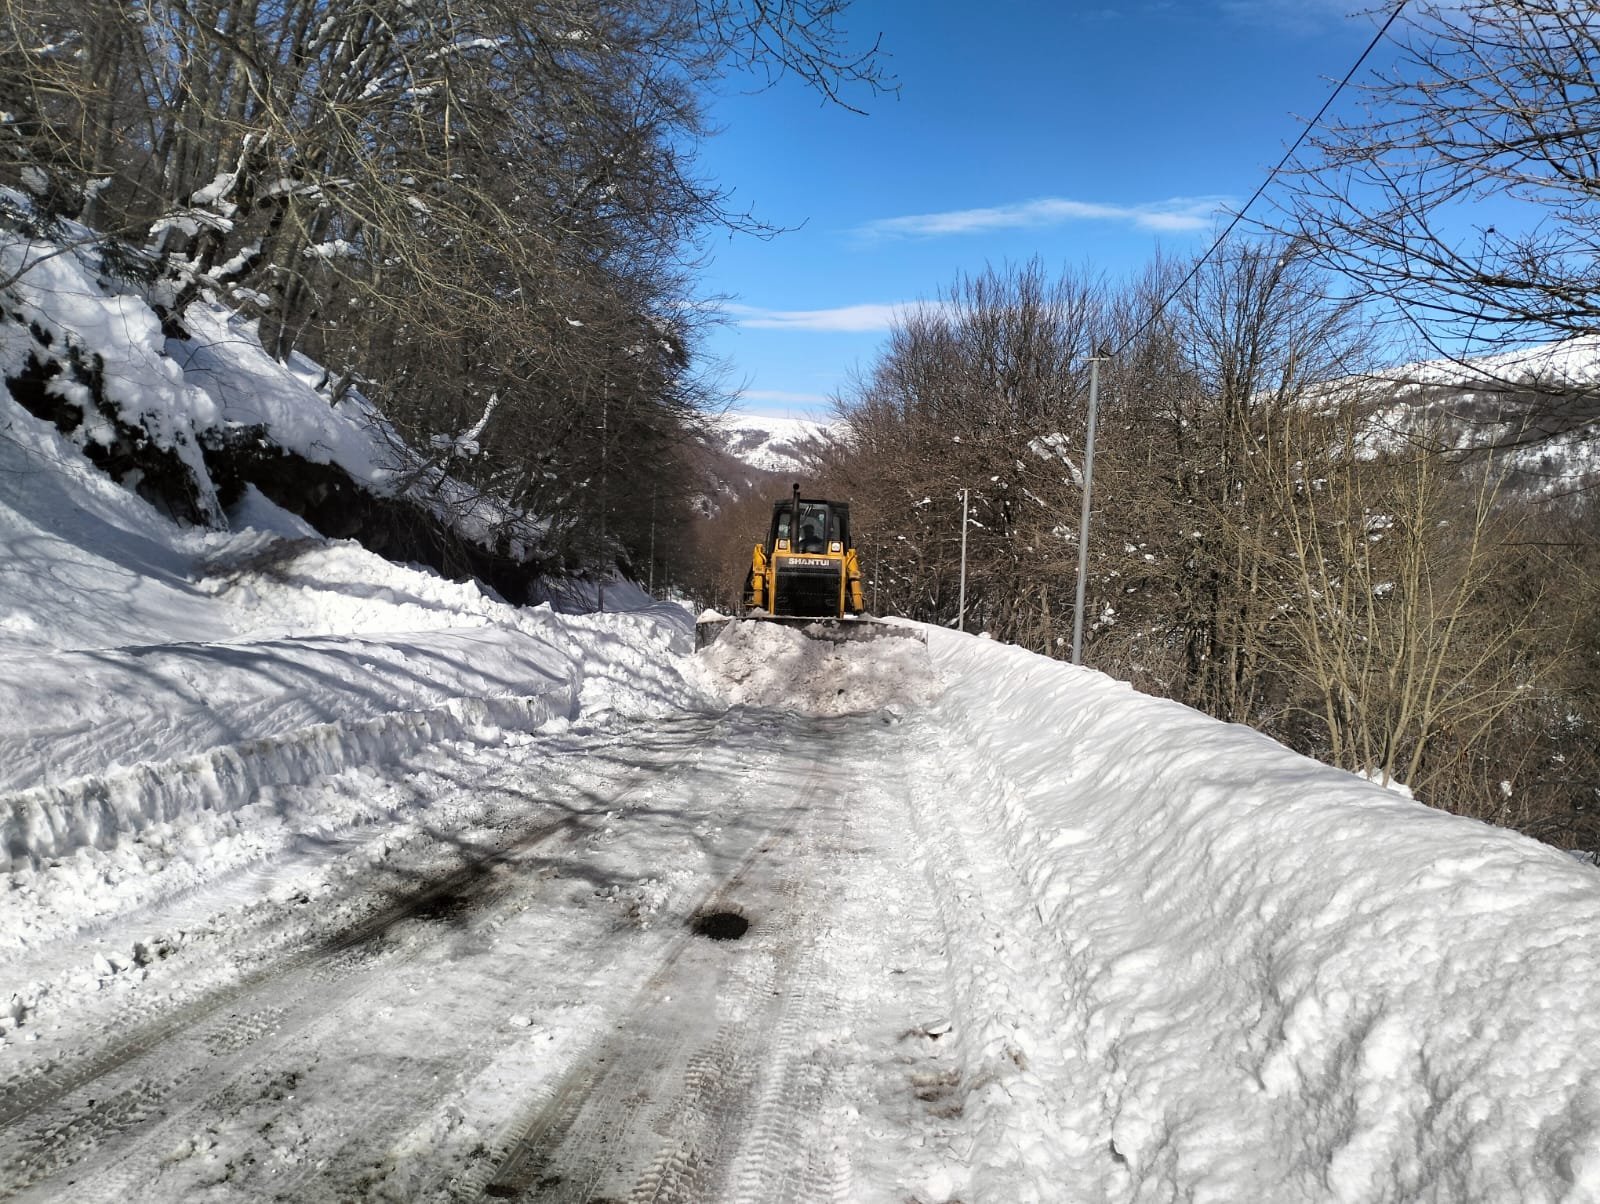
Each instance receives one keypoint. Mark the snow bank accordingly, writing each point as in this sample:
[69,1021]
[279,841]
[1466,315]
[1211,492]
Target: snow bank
[1286,982]
[86,562]
[103,811]
[766,664]
[129,639]
[159,676]
[102,711]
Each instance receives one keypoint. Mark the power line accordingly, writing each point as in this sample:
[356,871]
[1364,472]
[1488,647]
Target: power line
[1271,175]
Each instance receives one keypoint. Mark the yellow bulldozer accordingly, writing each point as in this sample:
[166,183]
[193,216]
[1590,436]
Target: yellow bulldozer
[807,568]
[806,575]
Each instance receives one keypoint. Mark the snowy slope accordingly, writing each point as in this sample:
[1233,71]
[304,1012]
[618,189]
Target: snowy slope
[1538,401]
[1570,363]
[1278,981]
[79,339]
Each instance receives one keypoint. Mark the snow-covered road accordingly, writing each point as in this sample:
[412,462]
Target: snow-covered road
[513,996]
[1010,932]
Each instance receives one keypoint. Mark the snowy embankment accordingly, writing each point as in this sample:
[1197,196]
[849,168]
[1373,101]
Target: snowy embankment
[1282,981]
[156,672]
[160,675]
[161,681]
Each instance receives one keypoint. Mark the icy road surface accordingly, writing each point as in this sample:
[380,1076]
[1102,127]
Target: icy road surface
[509,998]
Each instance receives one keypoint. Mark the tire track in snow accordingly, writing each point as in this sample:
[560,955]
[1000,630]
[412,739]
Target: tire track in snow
[725,1129]
[63,1111]
[757,1095]
[200,1042]
[739,767]
[707,1066]
[890,1118]
[602,1095]
[341,946]
[735,1074]
[1034,1121]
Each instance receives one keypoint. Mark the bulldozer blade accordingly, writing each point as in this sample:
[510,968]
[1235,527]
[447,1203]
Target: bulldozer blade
[837,631]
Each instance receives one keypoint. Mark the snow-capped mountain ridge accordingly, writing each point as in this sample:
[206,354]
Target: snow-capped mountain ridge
[776,445]
[1537,408]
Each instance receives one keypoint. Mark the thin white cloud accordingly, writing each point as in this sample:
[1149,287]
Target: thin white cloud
[1293,16]
[846,319]
[1179,214]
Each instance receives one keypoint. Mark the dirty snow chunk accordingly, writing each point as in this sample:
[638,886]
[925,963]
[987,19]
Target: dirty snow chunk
[766,664]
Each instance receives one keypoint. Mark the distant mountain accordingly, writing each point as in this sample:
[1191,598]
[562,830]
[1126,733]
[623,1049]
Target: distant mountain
[1570,364]
[1540,404]
[777,445]
[752,456]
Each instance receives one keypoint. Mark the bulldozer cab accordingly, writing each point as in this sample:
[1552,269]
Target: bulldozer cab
[822,527]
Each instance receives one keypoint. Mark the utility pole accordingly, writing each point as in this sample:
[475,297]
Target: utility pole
[605,403]
[961,603]
[1083,519]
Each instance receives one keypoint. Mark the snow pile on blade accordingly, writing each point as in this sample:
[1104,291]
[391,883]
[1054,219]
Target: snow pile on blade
[770,665]
[1277,980]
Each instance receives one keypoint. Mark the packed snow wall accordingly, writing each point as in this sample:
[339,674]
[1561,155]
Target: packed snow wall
[1283,974]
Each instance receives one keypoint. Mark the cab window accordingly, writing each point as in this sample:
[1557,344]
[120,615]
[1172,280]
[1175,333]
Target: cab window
[817,527]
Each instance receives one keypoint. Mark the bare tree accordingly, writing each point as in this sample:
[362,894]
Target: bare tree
[1394,578]
[1276,540]
[1468,196]
[980,392]
[1176,566]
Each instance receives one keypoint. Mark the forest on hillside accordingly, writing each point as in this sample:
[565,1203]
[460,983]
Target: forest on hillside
[1405,590]
[483,214]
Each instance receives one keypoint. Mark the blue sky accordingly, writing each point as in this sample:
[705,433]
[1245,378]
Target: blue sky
[1091,134]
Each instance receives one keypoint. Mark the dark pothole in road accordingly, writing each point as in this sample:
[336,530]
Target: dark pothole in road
[445,905]
[721,925]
